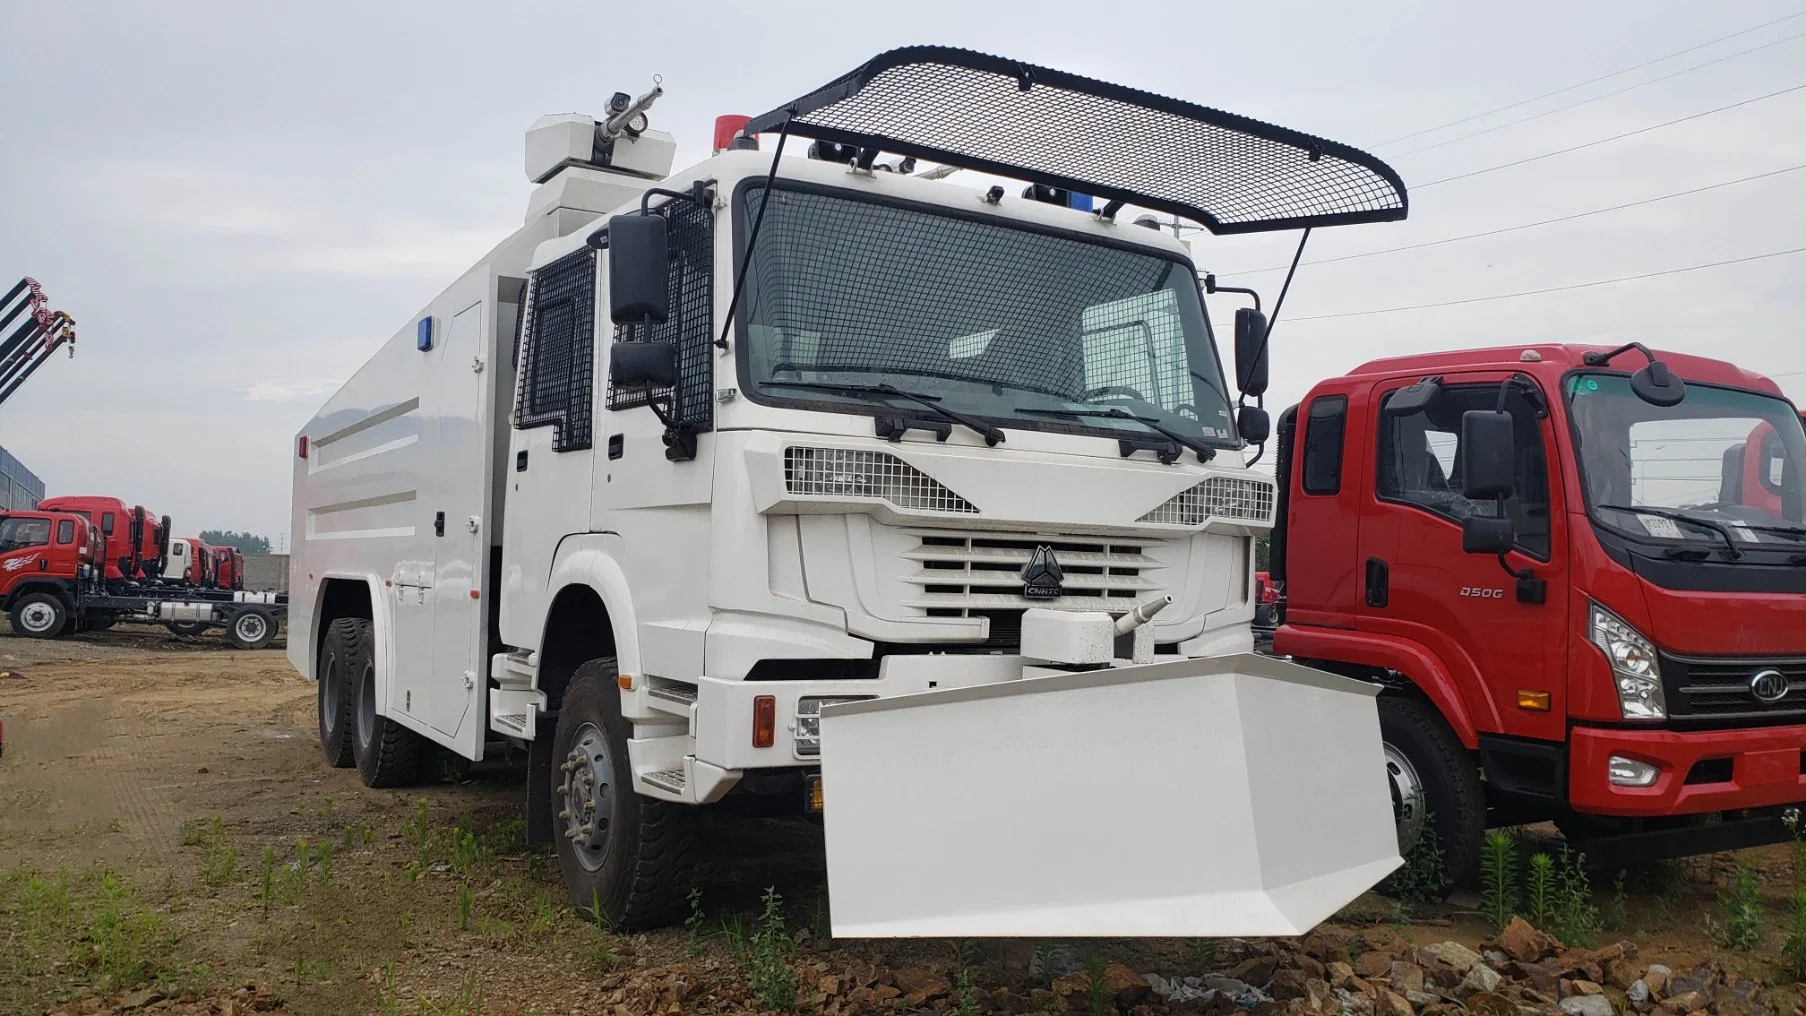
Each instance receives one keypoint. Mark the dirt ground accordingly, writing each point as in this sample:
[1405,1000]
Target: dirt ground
[167,822]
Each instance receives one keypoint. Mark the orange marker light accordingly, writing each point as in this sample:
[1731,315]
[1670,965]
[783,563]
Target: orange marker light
[625,681]
[765,721]
[1535,701]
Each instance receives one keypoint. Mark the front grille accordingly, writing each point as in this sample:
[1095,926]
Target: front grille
[1720,688]
[1221,497]
[974,574]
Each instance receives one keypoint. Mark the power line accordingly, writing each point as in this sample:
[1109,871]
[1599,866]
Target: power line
[1531,225]
[1606,95]
[1590,81]
[1615,137]
[1553,289]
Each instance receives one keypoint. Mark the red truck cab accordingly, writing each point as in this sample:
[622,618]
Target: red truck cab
[228,568]
[1580,577]
[133,538]
[43,557]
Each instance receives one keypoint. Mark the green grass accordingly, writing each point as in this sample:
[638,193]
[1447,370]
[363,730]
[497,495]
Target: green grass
[76,931]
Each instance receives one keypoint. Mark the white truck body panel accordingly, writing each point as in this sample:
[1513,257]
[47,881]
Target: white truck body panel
[1236,796]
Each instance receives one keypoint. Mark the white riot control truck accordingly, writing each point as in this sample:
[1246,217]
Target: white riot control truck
[914,503]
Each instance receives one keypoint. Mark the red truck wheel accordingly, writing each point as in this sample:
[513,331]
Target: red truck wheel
[1435,784]
[39,615]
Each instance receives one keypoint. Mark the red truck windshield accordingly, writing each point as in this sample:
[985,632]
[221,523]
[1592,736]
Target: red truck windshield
[1731,459]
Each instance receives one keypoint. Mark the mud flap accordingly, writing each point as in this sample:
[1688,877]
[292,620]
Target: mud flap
[1199,798]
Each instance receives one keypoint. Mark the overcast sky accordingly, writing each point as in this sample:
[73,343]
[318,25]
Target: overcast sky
[239,202]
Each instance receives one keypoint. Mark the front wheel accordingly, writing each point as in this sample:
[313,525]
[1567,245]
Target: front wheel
[252,628]
[40,615]
[627,860]
[1435,785]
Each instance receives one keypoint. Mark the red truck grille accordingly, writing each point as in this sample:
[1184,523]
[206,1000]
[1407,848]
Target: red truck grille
[1719,689]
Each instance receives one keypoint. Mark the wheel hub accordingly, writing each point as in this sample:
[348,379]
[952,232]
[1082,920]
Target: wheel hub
[37,616]
[587,791]
[250,627]
[1408,808]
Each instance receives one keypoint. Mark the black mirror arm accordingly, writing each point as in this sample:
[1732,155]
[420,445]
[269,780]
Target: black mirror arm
[1601,359]
[1211,288]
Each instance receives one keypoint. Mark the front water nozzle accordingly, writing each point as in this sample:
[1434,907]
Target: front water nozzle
[1141,614]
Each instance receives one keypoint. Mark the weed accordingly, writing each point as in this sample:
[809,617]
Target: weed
[693,923]
[418,830]
[1796,825]
[1617,909]
[84,927]
[1042,962]
[1422,878]
[1576,916]
[220,865]
[311,970]
[269,877]
[733,932]
[1540,897]
[356,834]
[1203,958]
[599,950]
[1794,948]
[768,957]
[965,996]
[323,861]
[466,901]
[470,856]
[1671,882]
[1097,987]
[1740,904]
[821,925]
[1499,879]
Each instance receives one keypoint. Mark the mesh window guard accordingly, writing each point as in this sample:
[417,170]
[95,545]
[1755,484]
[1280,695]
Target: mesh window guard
[1230,173]
[558,351]
[690,247]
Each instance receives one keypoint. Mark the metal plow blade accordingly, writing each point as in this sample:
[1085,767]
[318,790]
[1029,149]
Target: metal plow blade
[1198,798]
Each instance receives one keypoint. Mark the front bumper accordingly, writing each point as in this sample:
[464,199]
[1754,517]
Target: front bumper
[1746,768]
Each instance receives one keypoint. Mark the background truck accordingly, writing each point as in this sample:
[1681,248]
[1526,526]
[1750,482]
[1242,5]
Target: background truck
[681,497]
[136,542]
[1580,574]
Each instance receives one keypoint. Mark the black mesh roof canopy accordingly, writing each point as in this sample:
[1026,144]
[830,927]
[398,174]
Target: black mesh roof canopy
[994,115]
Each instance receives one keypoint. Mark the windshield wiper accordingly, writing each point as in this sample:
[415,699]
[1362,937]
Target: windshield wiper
[1204,452]
[992,435]
[1730,542]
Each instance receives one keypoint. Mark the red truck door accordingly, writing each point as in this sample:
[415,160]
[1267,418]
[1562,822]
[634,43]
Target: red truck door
[1323,514]
[24,550]
[1418,584]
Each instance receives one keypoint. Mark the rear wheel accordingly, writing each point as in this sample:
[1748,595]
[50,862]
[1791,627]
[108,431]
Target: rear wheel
[347,640]
[387,753]
[1435,785]
[252,628]
[627,860]
[40,615]
[102,624]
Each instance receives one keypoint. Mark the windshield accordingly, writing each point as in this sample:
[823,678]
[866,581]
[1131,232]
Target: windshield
[1732,458]
[983,317]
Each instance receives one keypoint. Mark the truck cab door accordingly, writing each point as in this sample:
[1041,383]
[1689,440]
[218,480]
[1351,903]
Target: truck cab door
[1465,608]
[24,546]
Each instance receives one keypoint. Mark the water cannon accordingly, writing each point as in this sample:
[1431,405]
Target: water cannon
[628,116]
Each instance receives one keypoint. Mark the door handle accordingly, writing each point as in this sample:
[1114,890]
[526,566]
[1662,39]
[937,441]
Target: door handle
[439,524]
[1379,585]
[520,461]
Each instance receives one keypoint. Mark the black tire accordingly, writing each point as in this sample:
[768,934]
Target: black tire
[102,624]
[639,876]
[1414,735]
[252,628]
[40,616]
[387,753]
[347,640]
[186,629]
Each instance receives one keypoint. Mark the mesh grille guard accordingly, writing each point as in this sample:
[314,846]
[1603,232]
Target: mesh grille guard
[986,113]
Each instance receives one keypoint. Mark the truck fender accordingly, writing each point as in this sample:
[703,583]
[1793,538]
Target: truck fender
[382,630]
[586,559]
[1423,668]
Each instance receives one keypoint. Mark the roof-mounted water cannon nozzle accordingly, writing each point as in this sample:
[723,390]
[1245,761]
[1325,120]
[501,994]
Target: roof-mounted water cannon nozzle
[628,116]
[1141,614]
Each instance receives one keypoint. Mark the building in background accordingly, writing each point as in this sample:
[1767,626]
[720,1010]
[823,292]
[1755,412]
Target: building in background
[20,488]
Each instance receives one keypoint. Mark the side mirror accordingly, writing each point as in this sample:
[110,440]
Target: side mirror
[637,269]
[1250,351]
[1657,385]
[643,363]
[1481,534]
[1487,455]
[1252,423]
[1415,399]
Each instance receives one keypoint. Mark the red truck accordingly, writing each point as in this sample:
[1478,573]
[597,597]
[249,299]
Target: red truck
[136,542]
[44,557]
[228,568]
[1580,575]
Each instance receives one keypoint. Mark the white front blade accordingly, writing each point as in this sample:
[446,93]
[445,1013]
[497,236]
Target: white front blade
[1199,798]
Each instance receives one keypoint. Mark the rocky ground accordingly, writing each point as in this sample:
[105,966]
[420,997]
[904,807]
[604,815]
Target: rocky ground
[171,842]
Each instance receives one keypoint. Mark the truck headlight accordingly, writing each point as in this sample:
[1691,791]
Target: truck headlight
[808,723]
[1633,660]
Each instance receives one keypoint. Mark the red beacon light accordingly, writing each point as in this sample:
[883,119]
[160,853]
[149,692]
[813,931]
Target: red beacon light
[727,133]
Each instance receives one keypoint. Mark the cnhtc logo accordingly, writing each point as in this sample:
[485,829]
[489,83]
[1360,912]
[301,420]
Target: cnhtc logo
[1768,686]
[1042,577]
